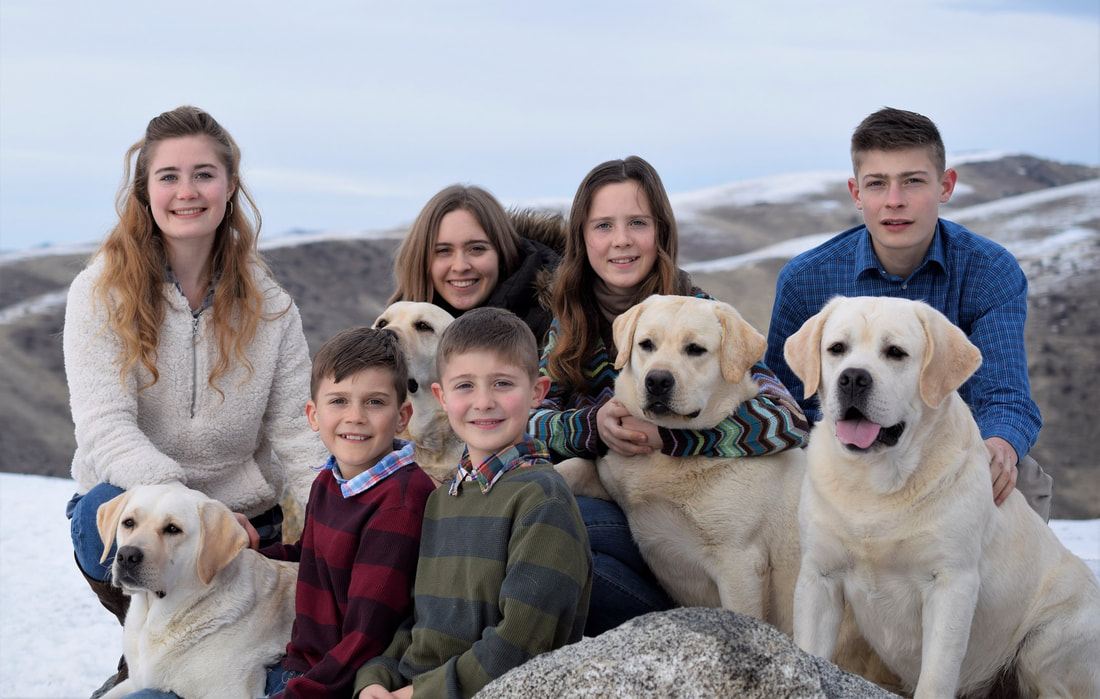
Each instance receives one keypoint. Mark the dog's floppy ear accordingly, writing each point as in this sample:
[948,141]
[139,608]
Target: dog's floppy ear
[949,357]
[106,520]
[742,344]
[220,540]
[802,350]
[623,332]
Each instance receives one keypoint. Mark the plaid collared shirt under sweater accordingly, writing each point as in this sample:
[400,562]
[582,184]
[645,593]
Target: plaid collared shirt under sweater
[530,451]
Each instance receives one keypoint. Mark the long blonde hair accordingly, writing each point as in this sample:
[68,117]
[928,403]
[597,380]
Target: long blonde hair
[411,266]
[135,257]
[573,301]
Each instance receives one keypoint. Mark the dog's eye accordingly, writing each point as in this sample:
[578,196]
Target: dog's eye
[837,348]
[895,352]
[172,529]
[128,523]
[646,345]
[423,327]
[381,323]
[694,350]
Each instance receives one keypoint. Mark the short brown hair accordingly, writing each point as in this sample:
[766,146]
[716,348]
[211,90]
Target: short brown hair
[891,129]
[494,330]
[355,349]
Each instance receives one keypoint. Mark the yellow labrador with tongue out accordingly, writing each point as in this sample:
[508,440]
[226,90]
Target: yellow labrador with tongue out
[896,518]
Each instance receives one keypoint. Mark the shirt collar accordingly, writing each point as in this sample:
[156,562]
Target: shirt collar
[867,261]
[528,452]
[206,302]
[391,463]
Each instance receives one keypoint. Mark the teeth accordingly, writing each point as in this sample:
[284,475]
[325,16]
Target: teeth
[187,212]
[623,260]
[355,437]
[463,284]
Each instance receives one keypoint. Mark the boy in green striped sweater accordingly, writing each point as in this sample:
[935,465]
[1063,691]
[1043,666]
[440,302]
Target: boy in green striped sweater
[505,569]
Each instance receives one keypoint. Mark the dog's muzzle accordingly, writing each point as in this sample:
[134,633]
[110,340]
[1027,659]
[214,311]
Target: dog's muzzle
[128,560]
[658,387]
[853,429]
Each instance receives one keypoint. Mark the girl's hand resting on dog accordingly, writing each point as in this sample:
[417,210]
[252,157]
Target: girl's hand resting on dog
[623,433]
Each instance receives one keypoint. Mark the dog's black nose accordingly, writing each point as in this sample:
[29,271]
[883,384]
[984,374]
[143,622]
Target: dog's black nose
[659,383]
[853,384]
[413,385]
[129,556]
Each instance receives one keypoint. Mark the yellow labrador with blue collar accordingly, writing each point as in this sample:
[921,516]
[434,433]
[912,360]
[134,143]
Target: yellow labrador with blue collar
[897,519]
[207,614]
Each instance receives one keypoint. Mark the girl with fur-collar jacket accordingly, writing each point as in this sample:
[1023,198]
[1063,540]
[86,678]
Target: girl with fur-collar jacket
[465,251]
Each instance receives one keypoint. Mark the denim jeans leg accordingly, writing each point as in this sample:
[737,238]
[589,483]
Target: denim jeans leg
[86,542]
[277,679]
[623,586]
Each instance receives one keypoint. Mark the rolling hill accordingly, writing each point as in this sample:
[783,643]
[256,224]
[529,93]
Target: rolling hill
[734,240]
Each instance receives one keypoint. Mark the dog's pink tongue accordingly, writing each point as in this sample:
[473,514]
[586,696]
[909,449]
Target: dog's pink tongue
[860,433]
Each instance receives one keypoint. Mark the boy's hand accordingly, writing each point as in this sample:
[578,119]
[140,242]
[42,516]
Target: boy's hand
[623,433]
[253,535]
[1002,468]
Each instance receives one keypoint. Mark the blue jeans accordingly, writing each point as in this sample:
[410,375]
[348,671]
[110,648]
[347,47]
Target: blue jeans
[277,679]
[623,586]
[86,542]
[81,510]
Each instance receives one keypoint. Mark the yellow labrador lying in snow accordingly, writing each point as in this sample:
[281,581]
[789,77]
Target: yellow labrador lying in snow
[418,327]
[717,532]
[207,614]
[897,519]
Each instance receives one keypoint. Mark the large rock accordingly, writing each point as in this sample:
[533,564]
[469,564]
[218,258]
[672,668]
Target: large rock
[689,652]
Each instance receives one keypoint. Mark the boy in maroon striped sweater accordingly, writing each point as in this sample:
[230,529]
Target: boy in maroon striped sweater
[358,550]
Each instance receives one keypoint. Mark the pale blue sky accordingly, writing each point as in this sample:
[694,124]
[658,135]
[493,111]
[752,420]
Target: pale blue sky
[351,114]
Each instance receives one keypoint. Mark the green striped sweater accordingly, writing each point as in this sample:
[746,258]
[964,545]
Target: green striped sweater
[502,577]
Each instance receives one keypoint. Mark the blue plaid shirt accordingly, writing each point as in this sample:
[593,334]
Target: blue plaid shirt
[970,279]
[389,464]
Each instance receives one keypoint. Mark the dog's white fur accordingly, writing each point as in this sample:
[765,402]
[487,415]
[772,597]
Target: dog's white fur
[207,614]
[419,327]
[717,532]
[948,588]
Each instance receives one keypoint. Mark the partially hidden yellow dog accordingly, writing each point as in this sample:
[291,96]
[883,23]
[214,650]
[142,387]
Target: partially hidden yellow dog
[419,327]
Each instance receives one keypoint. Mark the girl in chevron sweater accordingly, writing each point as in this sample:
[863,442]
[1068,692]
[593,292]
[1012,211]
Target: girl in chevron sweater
[621,248]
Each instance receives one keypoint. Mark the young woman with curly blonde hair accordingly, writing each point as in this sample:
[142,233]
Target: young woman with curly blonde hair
[185,360]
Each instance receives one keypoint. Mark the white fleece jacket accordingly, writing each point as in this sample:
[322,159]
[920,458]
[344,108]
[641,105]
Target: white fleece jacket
[240,448]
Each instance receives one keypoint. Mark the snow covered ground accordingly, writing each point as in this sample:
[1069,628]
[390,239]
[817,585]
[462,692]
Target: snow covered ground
[55,639]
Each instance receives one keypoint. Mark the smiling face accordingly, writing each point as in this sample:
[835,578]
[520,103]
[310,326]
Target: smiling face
[899,193]
[465,266]
[189,186]
[358,418]
[620,235]
[487,401]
